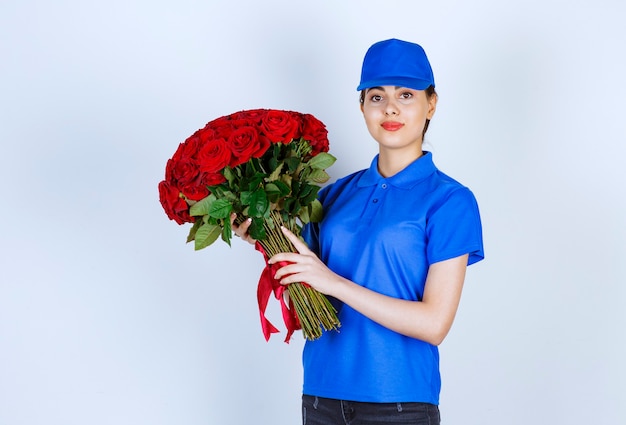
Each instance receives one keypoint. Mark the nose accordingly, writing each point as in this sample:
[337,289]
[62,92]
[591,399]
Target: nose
[391,108]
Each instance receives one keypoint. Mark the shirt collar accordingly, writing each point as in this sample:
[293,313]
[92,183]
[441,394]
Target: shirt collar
[415,172]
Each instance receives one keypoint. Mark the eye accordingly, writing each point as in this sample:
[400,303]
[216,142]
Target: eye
[376,98]
[406,95]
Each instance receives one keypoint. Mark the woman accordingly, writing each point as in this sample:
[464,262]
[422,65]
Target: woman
[391,251]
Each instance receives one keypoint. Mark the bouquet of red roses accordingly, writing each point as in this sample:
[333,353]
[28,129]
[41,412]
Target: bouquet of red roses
[267,165]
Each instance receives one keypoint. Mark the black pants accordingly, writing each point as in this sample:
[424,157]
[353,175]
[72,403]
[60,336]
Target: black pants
[327,411]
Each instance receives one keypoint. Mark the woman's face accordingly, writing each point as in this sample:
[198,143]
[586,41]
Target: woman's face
[396,116]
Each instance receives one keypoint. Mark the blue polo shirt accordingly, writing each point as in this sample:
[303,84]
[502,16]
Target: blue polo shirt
[384,233]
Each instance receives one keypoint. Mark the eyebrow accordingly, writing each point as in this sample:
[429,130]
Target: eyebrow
[381,88]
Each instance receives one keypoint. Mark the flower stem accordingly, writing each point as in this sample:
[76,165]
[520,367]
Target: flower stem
[313,309]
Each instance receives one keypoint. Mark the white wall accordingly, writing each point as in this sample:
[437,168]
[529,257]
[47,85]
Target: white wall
[107,317]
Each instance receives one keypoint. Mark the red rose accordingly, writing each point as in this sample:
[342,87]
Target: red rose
[280,126]
[189,148]
[204,135]
[314,131]
[175,207]
[253,115]
[213,156]
[182,172]
[182,168]
[245,143]
[219,128]
[212,179]
[195,190]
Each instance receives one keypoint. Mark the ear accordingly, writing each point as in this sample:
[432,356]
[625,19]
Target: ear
[432,106]
[361,106]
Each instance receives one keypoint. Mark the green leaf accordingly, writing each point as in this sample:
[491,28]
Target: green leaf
[295,187]
[220,208]
[229,175]
[311,196]
[305,189]
[272,192]
[256,229]
[292,163]
[316,212]
[318,176]
[288,205]
[227,232]
[277,188]
[259,204]
[231,196]
[206,235]
[304,215]
[203,206]
[194,229]
[321,161]
[282,187]
[287,179]
[244,197]
[278,168]
[272,163]
[254,181]
[215,191]
[271,187]
[292,206]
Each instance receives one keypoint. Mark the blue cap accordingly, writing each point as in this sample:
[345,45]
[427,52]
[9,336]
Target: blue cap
[396,63]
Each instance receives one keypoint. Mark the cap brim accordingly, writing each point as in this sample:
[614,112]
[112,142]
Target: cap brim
[411,83]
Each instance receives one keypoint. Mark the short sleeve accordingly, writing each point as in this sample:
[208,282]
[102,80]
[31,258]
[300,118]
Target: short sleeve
[310,231]
[310,234]
[454,228]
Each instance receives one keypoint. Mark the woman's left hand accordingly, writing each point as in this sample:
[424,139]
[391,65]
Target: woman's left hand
[304,266]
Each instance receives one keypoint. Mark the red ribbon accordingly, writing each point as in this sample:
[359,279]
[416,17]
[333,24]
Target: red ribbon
[267,285]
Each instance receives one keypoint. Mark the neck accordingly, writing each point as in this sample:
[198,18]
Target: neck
[394,161]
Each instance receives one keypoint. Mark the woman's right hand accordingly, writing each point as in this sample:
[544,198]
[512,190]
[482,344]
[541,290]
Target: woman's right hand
[241,230]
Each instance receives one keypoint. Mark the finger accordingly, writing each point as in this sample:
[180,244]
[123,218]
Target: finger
[290,274]
[287,257]
[241,230]
[245,225]
[286,271]
[300,246]
[288,280]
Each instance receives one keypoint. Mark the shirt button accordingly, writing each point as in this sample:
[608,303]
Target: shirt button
[384,186]
[375,200]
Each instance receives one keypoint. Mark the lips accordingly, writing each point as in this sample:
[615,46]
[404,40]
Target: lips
[392,125]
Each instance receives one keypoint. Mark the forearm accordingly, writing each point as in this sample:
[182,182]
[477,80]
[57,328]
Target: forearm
[415,319]
[429,319]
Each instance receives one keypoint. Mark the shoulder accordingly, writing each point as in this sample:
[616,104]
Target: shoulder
[444,188]
[453,222]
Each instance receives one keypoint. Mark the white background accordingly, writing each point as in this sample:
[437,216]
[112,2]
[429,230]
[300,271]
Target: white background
[108,317]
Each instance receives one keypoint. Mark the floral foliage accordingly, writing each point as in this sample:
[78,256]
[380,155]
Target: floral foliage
[251,162]
[264,164]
